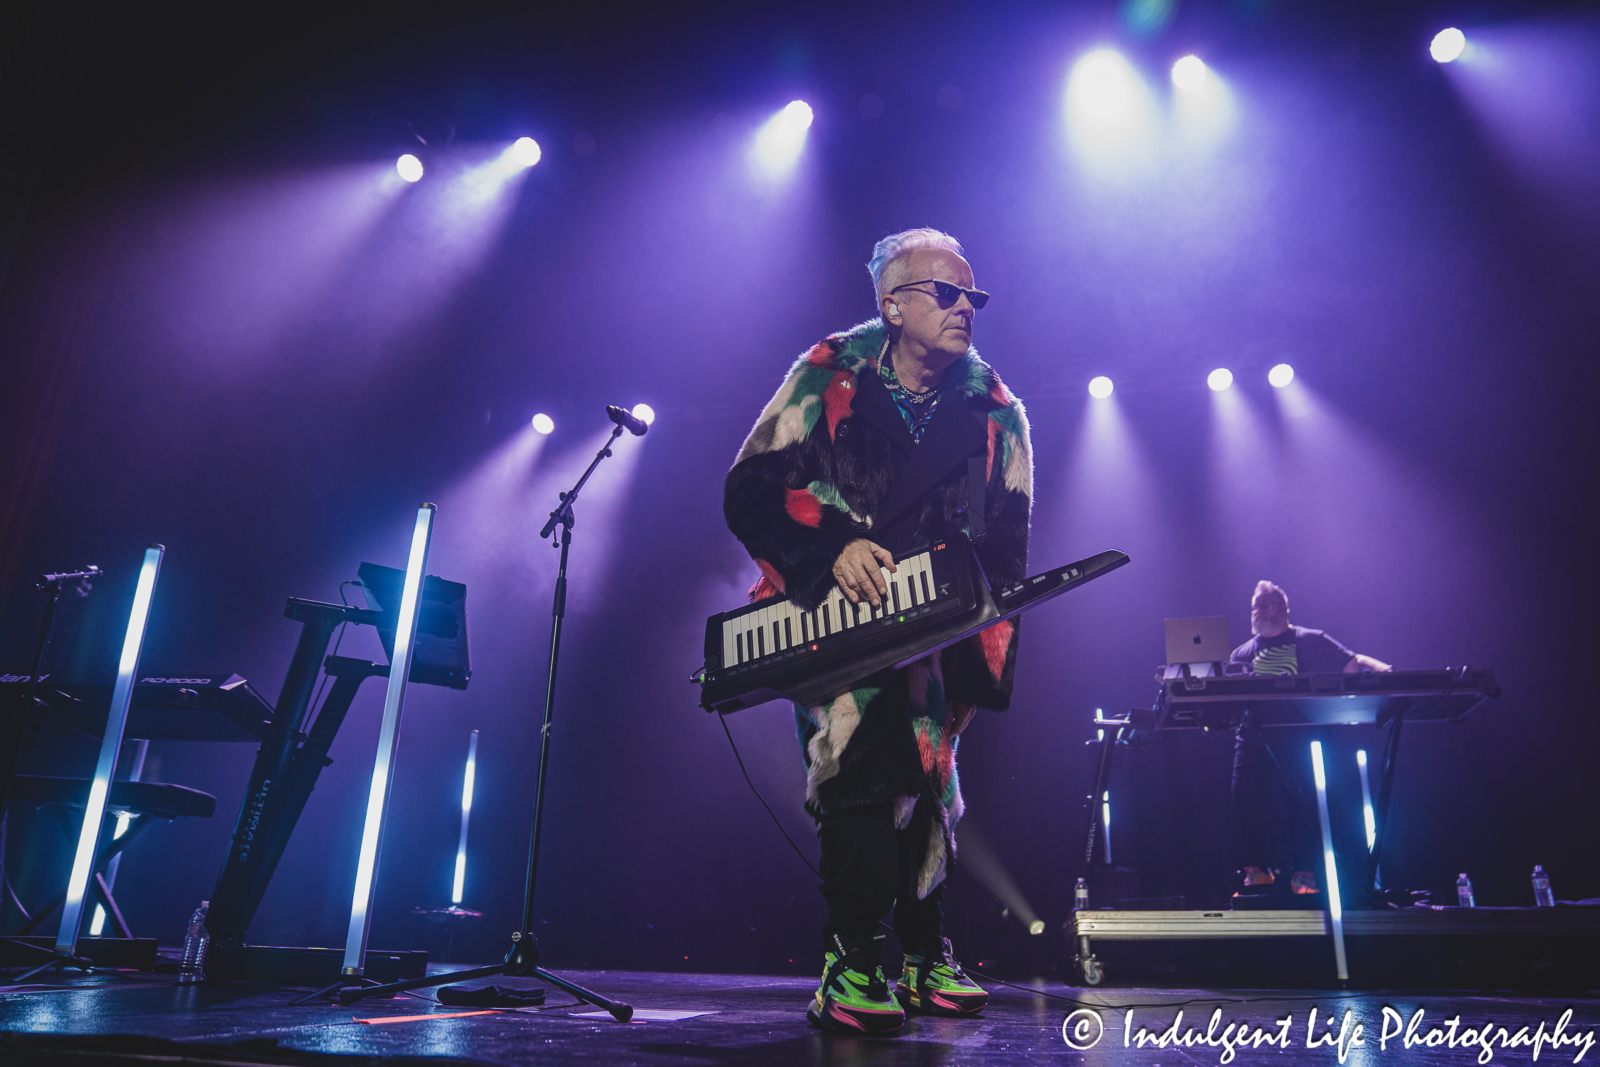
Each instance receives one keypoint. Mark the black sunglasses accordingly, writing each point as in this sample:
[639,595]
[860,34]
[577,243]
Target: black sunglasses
[948,294]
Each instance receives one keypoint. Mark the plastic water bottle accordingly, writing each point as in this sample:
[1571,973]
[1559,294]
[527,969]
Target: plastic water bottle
[1080,895]
[1542,896]
[195,942]
[1464,892]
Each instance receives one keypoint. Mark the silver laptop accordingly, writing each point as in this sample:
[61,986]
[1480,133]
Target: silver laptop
[1198,640]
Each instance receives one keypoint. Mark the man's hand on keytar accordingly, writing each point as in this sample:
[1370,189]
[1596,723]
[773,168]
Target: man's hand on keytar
[859,571]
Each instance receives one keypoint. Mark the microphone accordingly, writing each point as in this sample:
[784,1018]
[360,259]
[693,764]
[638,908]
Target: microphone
[47,580]
[626,419]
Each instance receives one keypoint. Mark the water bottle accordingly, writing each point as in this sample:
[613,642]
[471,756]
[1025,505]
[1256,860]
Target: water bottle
[1464,892]
[195,942]
[1080,895]
[1542,896]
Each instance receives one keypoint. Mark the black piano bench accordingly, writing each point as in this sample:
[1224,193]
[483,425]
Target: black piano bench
[142,800]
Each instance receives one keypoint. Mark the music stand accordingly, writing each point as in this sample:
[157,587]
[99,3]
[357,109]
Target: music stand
[441,656]
[522,960]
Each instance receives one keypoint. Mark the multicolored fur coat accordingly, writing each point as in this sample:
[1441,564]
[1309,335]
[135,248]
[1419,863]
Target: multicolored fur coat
[831,460]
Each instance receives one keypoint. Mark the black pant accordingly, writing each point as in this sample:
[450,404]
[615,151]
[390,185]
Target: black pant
[865,872]
[1273,828]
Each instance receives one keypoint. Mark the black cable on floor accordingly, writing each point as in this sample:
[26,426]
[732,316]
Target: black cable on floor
[723,719]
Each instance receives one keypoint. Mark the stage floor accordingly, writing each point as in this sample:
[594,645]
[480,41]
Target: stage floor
[752,1019]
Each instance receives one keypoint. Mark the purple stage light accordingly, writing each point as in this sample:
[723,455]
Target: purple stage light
[1220,379]
[1243,480]
[526,151]
[409,167]
[1190,73]
[1100,387]
[779,141]
[1534,90]
[543,423]
[1448,44]
[644,412]
[1280,376]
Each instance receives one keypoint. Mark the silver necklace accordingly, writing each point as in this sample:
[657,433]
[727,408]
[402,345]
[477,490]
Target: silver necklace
[910,394]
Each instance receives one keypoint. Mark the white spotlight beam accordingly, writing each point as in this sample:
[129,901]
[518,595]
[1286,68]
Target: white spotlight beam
[405,640]
[468,781]
[110,744]
[1330,869]
[778,143]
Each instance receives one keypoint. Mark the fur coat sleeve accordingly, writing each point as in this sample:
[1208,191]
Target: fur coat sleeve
[820,463]
[780,500]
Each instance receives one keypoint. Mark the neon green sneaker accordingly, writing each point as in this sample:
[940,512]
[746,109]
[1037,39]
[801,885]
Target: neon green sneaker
[936,985]
[854,996]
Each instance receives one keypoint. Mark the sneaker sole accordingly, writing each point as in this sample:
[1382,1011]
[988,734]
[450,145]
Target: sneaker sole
[837,1020]
[942,1004]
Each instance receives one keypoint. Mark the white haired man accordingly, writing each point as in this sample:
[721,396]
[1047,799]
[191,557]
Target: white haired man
[1278,647]
[886,437]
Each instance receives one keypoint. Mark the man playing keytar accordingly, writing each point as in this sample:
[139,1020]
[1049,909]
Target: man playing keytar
[1278,647]
[864,454]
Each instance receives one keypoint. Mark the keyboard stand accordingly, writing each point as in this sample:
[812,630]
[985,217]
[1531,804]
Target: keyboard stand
[267,816]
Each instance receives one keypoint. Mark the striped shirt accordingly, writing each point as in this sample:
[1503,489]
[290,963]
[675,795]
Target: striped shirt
[1298,650]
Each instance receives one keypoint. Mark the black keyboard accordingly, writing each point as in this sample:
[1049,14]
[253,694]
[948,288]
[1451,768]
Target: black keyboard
[774,649]
[1318,699]
[187,707]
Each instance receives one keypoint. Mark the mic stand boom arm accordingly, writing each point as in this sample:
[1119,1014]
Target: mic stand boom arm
[523,956]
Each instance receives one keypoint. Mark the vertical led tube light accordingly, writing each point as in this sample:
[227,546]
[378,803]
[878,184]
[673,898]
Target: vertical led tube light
[110,744]
[1330,869]
[1105,822]
[1367,817]
[124,819]
[458,887]
[405,640]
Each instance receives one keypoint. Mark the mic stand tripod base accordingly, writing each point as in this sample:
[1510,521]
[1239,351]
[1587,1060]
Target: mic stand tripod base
[83,963]
[344,982]
[521,961]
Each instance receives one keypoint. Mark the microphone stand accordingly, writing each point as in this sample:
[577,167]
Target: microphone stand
[523,957]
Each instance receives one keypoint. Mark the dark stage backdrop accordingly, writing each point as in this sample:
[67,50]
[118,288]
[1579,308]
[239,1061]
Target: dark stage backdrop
[229,329]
